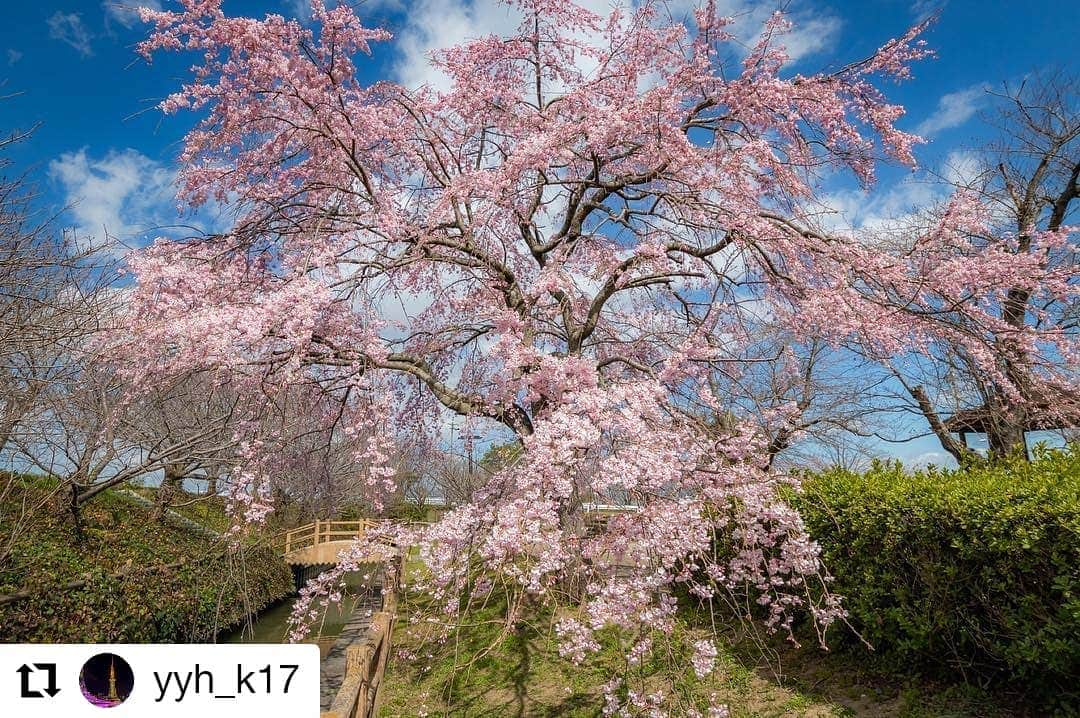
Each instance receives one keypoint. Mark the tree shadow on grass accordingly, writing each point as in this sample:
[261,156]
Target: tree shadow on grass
[857,683]
[522,684]
[520,677]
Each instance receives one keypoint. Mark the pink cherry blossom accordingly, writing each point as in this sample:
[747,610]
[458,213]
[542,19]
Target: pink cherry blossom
[560,248]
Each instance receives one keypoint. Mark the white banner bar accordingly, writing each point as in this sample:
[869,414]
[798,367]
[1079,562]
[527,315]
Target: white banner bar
[152,680]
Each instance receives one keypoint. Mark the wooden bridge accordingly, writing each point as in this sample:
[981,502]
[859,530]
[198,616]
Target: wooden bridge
[320,542]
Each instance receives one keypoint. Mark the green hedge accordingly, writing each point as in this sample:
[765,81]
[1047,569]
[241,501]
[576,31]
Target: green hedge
[971,573]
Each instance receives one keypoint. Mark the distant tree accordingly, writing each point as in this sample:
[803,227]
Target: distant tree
[1011,367]
[500,456]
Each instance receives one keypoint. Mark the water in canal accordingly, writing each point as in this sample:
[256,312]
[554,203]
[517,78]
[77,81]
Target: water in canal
[272,625]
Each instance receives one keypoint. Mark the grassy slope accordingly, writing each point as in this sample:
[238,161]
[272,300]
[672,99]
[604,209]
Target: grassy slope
[210,511]
[116,531]
[524,676]
[206,510]
[214,587]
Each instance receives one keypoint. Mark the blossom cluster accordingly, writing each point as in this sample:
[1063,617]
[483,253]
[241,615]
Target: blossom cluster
[560,247]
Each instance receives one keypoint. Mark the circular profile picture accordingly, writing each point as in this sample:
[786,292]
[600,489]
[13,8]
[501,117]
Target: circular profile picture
[106,680]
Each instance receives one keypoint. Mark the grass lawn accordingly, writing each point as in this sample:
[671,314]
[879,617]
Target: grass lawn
[486,670]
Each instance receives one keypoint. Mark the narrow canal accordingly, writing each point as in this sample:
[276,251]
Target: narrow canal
[272,624]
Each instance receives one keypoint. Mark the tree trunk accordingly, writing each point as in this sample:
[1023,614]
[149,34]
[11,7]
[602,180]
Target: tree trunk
[958,449]
[1005,432]
[572,520]
[170,485]
[76,516]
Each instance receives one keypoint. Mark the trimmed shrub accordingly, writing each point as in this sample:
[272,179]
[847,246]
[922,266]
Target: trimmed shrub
[972,573]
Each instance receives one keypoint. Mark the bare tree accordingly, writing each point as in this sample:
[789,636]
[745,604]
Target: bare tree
[92,435]
[1031,179]
[186,427]
[51,286]
[805,398]
[50,289]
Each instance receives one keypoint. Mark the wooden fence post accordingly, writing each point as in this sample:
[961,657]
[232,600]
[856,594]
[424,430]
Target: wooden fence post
[357,659]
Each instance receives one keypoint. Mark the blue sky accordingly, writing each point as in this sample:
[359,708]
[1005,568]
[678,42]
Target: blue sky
[105,152]
[102,146]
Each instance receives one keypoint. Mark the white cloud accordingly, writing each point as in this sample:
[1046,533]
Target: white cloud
[814,30]
[953,110]
[880,208]
[131,198]
[876,211]
[923,9]
[961,167]
[300,9]
[13,56]
[68,28]
[125,193]
[811,36]
[433,24]
[931,458]
[126,12]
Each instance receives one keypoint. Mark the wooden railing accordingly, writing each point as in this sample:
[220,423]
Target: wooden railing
[320,532]
[365,661]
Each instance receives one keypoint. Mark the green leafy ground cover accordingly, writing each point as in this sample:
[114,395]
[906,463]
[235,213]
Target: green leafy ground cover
[214,588]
